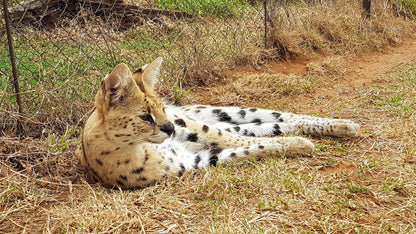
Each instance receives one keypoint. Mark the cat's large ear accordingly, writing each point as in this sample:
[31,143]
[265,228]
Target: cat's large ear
[150,73]
[114,88]
[116,84]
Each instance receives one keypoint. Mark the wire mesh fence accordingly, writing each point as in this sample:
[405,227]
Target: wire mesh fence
[64,48]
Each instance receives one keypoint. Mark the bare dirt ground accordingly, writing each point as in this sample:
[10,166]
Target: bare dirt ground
[358,72]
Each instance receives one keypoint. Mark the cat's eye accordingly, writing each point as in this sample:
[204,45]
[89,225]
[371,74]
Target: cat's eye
[148,118]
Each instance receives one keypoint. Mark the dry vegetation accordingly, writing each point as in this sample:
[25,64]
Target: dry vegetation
[362,185]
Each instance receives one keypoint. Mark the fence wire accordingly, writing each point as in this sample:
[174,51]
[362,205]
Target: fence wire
[64,48]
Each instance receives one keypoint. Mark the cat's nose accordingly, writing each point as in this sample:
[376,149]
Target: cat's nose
[167,128]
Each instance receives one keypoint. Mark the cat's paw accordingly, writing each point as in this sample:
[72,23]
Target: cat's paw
[343,128]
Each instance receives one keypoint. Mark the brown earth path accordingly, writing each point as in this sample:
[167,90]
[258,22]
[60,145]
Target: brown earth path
[359,74]
[365,70]
[362,71]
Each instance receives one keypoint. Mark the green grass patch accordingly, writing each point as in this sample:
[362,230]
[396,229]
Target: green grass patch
[218,8]
[69,70]
[410,5]
[397,99]
[357,188]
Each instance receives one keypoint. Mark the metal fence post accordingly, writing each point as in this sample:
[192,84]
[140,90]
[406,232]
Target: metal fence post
[14,70]
[367,9]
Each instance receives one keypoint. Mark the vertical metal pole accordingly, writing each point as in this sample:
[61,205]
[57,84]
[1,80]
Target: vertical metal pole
[265,23]
[367,9]
[13,63]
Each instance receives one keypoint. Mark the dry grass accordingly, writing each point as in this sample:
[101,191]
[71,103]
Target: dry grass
[335,27]
[366,184]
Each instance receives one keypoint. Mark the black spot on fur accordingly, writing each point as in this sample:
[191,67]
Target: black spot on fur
[245,132]
[252,109]
[276,130]
[196,161]
[167,168]
[120,183]
[127,161]
[193,137]
[123,177]
[242,113]
[105,152]
[117,148]
[138,170]
[237,128]
[261,147]
[205,128]
[257,121]
[99,161]
[228,130]
[223,117]
[180,122]
[180,173]
[219,133]
[201,107]
[216,111]
[246,152]
[215,151]
[142,179]
[252,134]
[173,151]
[276,115]
[138,71]
[96,178]
[214,144]
[94,173]
[213,160]
[131,143]
[197,111]
[233,155]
